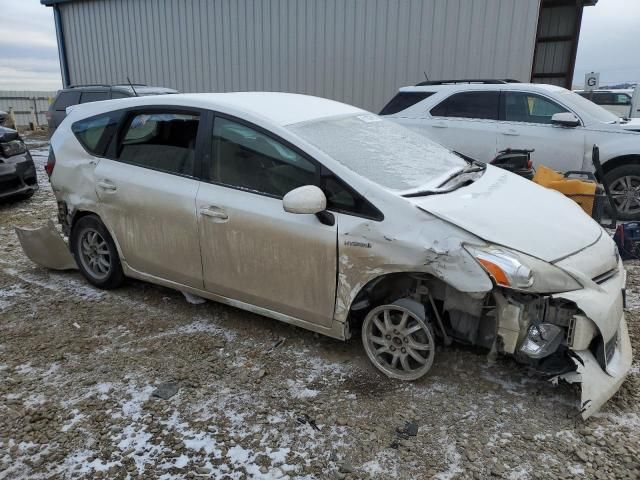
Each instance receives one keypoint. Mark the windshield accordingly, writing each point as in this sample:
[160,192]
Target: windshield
[380,150]
[581,104]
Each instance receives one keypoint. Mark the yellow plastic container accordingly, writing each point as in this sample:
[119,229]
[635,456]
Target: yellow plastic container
[581,191]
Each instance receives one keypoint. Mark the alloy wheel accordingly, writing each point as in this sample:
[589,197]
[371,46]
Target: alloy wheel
[626,194]
[94,254]
[398,342]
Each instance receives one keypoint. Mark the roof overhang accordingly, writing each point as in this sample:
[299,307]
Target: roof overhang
[51,3]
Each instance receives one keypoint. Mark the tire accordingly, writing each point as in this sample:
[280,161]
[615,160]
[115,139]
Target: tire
[398,342]
[624,182]
[95,253]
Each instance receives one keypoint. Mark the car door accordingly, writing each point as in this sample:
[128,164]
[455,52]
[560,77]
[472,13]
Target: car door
[147,191]
[252,250]
[526,124]
[466,122]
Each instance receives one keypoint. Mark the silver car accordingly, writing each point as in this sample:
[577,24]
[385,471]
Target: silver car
[331,218]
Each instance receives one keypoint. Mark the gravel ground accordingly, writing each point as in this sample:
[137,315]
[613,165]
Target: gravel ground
[80,369]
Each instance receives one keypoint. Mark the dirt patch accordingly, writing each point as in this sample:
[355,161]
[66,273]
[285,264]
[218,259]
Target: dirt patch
[78,367]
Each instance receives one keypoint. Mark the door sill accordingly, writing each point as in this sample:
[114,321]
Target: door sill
[336,330]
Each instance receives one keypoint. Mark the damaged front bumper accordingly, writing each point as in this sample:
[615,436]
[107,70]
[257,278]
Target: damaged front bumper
[603,365]
[599,385]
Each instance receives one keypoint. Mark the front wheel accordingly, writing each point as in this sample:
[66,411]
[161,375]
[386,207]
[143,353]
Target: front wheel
[398,342]
[95,253]
[624,183]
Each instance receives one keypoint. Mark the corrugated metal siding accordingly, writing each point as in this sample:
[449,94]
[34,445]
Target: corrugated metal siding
[23,101]
[557,41]
[357,51]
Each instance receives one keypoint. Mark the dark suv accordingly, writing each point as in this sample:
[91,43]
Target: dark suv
[94,93]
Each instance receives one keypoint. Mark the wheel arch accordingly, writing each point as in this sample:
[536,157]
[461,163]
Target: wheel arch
[386,288]
[81,213]
[620,161]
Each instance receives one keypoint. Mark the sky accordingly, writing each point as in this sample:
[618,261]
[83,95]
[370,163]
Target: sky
[609,44]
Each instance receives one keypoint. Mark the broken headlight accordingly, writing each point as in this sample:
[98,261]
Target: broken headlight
[516,270]
[542,339]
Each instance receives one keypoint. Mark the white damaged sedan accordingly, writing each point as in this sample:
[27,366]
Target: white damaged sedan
[331,218]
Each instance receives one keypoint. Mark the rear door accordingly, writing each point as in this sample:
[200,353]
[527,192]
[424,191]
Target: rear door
[252,250]
[467,122]
[147,189]
[526,124]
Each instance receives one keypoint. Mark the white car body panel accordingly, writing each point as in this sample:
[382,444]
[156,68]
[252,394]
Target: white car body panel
[562,148]
[243,249]
[484,206]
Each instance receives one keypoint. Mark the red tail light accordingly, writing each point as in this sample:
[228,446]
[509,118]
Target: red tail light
[529,164]
[51,162]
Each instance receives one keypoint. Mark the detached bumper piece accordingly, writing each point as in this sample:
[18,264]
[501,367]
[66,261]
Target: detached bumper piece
[600,385]
[46,247]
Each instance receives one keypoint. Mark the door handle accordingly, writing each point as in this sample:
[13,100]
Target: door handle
[106,185]
[440,125]
[214,212]
[511,132]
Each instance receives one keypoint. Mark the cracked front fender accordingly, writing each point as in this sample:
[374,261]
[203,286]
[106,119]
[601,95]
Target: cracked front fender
[45,246]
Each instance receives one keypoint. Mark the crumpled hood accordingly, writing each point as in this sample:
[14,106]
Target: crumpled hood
[508,210]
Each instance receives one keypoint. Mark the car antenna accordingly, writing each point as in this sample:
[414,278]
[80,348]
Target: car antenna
[425,75]
[131,85]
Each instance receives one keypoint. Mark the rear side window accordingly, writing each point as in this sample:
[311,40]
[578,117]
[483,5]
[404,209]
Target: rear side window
[404,100]
[66,99]
[115,95]
[481,105]
[87,97]
[161,141]
[621,99]
[95,133]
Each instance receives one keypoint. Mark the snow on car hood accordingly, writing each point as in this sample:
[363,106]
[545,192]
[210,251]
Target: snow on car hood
[508,210]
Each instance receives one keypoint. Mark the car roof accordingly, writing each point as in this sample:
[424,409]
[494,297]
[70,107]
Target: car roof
[118,88]
[607,90]
[533,87]
[278,108]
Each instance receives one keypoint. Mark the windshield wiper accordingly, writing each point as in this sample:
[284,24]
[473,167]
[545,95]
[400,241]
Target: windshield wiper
[472,168]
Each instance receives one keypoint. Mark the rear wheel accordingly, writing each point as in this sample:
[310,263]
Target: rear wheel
[398,342]
[624,183]
[95,253]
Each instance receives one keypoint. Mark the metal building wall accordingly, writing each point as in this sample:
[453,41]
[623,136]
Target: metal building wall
[557,41]
[357,51]
[24,102]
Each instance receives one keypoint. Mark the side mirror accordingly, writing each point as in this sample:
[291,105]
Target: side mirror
[308,199]
[565,119]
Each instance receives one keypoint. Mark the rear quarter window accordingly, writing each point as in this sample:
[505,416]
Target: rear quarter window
[88,97]
[483,105]
[404,100]
[95,133]
[66,99]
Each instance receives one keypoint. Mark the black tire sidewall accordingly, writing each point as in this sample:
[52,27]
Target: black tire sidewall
[116,275]
[623,171]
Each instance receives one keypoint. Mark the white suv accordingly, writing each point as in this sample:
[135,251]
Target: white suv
[481,118]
